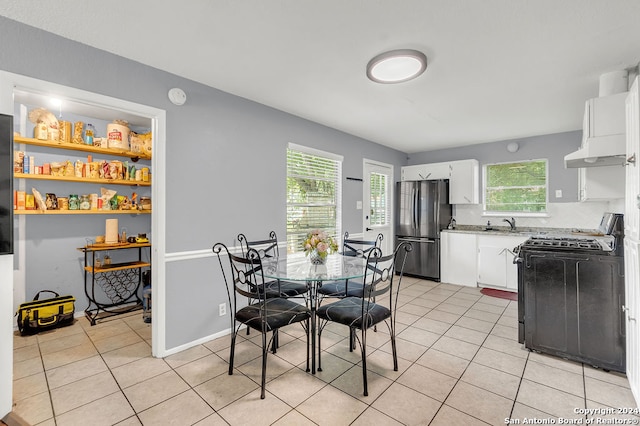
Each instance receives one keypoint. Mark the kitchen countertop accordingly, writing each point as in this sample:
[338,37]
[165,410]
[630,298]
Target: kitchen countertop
[525,231]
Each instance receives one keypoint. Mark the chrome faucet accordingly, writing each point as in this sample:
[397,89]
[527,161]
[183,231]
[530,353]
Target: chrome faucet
[512,223]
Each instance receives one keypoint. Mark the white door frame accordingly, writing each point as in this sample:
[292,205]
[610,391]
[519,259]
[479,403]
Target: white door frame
[10,81]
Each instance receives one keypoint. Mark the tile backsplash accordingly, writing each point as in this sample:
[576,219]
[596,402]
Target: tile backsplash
[585,215]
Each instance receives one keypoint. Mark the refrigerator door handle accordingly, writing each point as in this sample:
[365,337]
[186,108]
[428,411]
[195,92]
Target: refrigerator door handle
[414,205]
[416,240]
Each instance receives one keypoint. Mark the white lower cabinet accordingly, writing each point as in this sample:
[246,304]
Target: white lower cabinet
[458,258]
[495,261]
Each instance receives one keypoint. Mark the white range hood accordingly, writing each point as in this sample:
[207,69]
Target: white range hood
[599,151]
[603,133]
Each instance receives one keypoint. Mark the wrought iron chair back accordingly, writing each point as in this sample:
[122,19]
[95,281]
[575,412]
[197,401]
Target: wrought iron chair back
[265,248]
[269,248]
[244,277]
[359,248]
[356,248]
[383,277]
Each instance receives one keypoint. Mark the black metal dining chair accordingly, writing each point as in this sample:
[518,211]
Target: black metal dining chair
[355,248]
[244,277]
[274,288]
[269,248]
[383,277]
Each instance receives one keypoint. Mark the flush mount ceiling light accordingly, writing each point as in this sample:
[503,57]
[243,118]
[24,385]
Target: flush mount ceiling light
[396,66]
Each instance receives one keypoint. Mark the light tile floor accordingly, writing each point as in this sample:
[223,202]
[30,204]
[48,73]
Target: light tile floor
[460,364]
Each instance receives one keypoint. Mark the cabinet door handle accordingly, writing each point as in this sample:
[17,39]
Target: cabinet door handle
[631,159]
[626,311]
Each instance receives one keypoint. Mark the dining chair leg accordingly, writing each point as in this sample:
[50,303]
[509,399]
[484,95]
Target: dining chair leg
[394,351]
[265,351]
[307,333]
[363,349]
[395,354]
[320,327]
[274,342]
[232,352]
[352,339]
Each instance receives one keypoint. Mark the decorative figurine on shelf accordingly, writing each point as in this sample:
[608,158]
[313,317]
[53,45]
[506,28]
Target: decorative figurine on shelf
[124,203]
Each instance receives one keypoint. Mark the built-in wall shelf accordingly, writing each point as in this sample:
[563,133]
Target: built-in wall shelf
[48,212]
[80,147]
[82,179]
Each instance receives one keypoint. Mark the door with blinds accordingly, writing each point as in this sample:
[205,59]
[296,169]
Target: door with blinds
[376,206]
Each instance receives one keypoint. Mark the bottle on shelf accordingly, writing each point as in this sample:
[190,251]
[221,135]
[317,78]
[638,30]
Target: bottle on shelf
[89,133]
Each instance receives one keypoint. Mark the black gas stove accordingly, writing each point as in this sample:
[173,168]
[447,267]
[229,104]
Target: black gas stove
[570,295]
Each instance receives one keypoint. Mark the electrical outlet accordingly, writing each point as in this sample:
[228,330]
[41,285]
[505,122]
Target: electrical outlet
[222,309]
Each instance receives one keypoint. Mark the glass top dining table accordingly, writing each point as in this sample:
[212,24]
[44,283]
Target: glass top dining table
[298,267]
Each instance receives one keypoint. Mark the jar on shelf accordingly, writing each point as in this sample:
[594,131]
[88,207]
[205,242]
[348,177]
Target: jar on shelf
[63,203]
[145,203]
[85,202]
[64,132]
[74,202]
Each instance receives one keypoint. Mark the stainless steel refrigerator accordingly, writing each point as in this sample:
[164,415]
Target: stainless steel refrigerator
[422,211]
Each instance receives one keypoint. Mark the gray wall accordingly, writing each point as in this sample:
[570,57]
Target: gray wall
[225,170]
[552,147]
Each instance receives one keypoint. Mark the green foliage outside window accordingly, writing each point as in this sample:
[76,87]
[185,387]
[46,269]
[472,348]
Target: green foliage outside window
[312,196]
[378,202]
[516,187]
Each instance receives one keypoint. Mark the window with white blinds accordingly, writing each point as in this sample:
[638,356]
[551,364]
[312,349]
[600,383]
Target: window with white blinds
[313,194]
[378,203]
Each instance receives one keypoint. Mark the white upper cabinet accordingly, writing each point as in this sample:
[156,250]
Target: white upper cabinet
[601,183]
[463,175]
[464,182]
[431,171]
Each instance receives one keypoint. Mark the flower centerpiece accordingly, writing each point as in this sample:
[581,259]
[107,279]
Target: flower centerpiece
[318,245]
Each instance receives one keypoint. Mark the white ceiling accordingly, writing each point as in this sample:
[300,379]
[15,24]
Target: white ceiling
[498,69]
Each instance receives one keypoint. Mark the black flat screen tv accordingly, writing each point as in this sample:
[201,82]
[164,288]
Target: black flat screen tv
[6,184]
